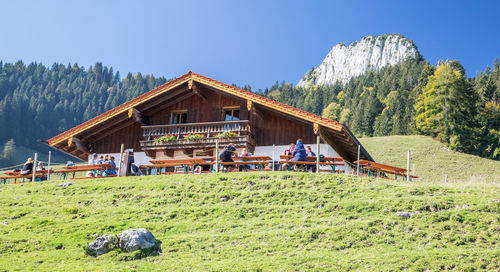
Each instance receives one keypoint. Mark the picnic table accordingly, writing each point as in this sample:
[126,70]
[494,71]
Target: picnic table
[372,168]
[258,161]
[184,163]
[97,170]
[191,164]
[311,160]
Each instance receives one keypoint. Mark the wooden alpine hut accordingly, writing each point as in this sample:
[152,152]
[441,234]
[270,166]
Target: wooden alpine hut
[197,105]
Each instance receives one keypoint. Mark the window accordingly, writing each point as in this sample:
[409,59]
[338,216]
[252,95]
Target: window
[179,117]
[232,114]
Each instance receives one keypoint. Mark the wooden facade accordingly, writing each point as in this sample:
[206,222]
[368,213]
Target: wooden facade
[196,104]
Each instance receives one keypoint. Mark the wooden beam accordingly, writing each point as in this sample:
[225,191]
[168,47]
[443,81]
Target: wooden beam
[74,152]
[326,135]
[351,136]
[61,149]
[112,130]
[342,136]
[80,145]
[138,116]
[347,143]
[196,91]
[256,112]
[315,128]
[159,100]
[175,100]
[103,127]
[223,93]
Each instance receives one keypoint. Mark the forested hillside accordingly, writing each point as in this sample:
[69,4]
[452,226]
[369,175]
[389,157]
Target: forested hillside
[411,97]
[360,103]
[38,102]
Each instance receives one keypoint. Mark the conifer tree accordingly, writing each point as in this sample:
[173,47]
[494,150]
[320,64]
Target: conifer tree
[9,152]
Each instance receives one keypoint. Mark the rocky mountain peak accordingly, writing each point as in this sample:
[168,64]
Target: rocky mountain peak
[371,53]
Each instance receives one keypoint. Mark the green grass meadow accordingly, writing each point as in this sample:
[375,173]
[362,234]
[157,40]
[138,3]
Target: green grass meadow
[432,159]
[254,222]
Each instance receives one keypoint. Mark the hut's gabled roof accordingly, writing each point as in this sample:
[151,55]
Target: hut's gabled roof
[334,133]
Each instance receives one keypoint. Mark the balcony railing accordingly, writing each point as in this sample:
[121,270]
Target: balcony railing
[209,131]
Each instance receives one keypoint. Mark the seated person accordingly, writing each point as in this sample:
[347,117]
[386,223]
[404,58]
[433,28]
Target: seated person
[40,168]
[27,167]
[290,149]
[103,160]
[92,161]
[244,153]
[288,152]
[227,154]
[299,152]
[110,170]
[310,153]
[203,168]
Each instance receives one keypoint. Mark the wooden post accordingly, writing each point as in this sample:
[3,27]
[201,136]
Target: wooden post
[408,167]
[273,156]
[317,153]
[216,155]
[357,170]
[413,169]
[48,166]
[122,147]
[445,178]
[34,167]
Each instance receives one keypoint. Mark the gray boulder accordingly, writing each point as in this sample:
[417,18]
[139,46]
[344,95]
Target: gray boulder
[404,214]
[103,244]
[134,239]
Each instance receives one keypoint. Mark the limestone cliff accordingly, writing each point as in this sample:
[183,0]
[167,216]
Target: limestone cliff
[371,53]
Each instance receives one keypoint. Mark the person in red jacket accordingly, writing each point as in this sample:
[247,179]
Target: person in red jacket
[290,149]
[288,152]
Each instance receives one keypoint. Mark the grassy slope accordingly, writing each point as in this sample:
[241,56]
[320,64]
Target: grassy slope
[432,159]
[271,221]
[22,153]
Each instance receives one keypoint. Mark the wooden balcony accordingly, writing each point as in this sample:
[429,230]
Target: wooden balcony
[209,130]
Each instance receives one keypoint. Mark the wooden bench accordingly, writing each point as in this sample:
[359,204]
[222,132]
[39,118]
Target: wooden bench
[313,158]
[372,168]
[259,165]
[3,179]
[258,161]
[184,163]
[311,161]
[12,173]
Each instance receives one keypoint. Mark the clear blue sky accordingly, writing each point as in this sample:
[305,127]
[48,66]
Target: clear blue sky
[243,42]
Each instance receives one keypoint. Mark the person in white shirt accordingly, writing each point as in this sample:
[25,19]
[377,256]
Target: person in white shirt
[92,161]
